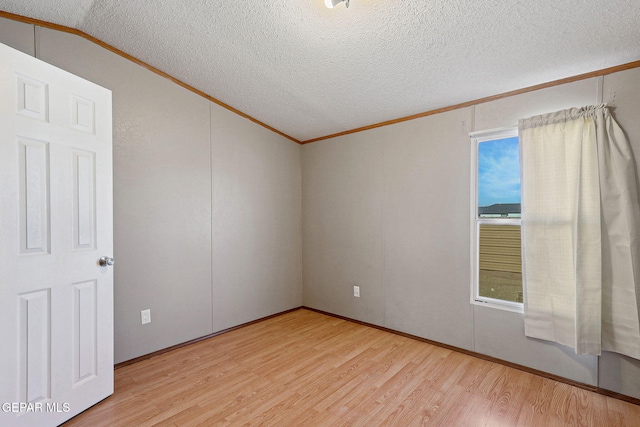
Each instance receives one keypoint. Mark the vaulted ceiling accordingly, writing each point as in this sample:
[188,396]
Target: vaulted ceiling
[309,71]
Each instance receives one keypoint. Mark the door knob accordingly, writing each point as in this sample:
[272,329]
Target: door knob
[105,261]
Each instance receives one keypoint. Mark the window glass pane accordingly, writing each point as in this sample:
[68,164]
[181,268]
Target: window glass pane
[500,265]
[499,178]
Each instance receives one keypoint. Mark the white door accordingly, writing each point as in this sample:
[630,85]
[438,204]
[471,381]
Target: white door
[56,222]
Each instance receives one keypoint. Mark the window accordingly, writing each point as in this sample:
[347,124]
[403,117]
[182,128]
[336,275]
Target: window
[496,248]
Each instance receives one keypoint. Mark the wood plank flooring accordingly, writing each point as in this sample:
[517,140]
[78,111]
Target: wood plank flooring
[308,369]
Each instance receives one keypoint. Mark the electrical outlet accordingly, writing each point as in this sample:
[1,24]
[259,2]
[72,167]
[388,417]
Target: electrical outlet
[145,316]
[356,291]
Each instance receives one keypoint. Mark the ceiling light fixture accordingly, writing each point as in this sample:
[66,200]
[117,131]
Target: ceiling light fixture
[332,3]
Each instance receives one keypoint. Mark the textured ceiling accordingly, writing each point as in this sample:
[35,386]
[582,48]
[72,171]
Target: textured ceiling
[309,71]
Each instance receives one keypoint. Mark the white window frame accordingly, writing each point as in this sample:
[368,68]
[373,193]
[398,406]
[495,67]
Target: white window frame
[476,299]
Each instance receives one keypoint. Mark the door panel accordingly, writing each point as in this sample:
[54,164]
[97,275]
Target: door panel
[56,221]
[33,175]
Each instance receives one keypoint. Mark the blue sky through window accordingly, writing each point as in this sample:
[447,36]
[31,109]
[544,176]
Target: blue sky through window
[498,172]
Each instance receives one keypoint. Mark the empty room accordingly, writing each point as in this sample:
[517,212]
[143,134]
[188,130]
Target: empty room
[319,213]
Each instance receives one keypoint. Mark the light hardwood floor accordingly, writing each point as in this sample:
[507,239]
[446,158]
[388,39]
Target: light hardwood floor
[308,369]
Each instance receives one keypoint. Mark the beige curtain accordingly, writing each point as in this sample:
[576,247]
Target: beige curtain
[580,232]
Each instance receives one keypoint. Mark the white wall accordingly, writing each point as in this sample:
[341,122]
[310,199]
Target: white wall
[257,257]
[407,187]
[621,91]
[373,216]
[17,35]
[387,210]
[426,229]
[207,204]
[342,221]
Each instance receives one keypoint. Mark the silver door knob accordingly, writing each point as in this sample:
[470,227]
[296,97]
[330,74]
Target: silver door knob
[105,261]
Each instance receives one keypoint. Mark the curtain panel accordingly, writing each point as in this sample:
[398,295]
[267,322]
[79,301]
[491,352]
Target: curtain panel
[580,232]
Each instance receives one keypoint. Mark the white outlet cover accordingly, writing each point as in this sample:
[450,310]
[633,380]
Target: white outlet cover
[356,291]
[145,316]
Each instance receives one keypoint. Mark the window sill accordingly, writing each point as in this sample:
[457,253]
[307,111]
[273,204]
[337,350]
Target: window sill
[515,307]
